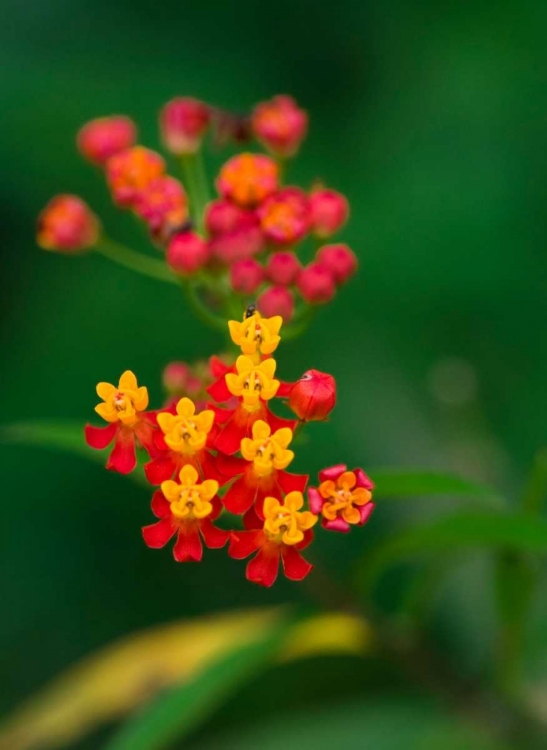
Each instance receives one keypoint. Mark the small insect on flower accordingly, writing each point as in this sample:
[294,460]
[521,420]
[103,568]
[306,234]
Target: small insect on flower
[123,407]
[103,137]
[187,509]
[343,498]
[280,125]
[256,335]
[67,225]
[286,531]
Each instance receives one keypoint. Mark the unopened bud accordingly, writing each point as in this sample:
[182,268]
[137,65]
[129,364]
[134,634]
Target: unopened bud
[67,225]
[277,300]
[316,283]
[329,212]
[340,260]
[313,397]
[246,276]
[183,123]
[100,139]
[280,125]
[187,253]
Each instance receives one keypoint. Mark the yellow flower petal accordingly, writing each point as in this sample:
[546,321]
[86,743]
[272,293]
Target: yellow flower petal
[141,398]
[188,475]
[170,489]
[294,500]
[105,390]
[261,430]
[244,365]
[107,412]
[208,489]
[306,520]
[186,408]
[128,381]
[205,420]
[271,507]
[167,422]
[283,436]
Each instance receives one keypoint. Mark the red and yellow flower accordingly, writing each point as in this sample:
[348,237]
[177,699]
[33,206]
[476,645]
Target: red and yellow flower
[67,225]
[343,498]
[123,407]
[187,509]
[285,216]
[280,125]
[129,172]
[247,179]
[286,530]
[256,335]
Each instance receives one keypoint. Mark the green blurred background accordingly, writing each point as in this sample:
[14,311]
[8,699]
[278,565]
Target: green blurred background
[432,118]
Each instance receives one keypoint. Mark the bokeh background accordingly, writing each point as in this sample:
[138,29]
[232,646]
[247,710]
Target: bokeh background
[432,118]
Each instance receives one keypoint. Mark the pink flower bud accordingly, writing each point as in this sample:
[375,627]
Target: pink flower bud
[187,253]
[241,243]
[280,125]
[222,217]
[316,283]
[285,216]
[329,212]
[246,276]
[313,397]
[130,171]
[175,377]
[283,268]
[247,179]
[67,225]
[276,300]
[340,260]
[163,205]
[100,139]
[183,123]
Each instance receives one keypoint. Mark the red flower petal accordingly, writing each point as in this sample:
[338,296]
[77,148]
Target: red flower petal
[213,537]
[240,496]
[263,568]
[218,367]
[337,525]
[145,434]
[219,391]
[284,389]
[230,466]
[251,520]
[229,438]
[244,543]
[209,467]
[158,534]
[363,480]
[333,472]
[100,437]
[277,423]
[315,500]
[123,458]
[188,547]
[294,565]
[292,482]
[159,469]
[160,505]
[365,512]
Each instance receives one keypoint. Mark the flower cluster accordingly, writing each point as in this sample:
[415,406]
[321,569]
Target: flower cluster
[258,238]
[230,455]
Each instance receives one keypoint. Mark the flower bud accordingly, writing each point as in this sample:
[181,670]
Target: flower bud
[276,300]
[241,243]
[329,212]
[130,171]
[67,225]
[280,125]
[313,397]
[175,376]
[340,260]
[316,283]
[163,205]
[247,179]
[283,268]
[183,123]
[100,139]
[246,276]
[187,252]
[222,217]
[285,216]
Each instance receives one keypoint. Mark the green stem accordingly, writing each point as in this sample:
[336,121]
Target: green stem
[535,493]
[202,312]
[124,256]
[195,181]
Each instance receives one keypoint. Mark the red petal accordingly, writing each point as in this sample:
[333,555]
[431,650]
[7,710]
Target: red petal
[160,505]
[296,568]
[188,547]
[338,524]
[230,466]
[219,391]
[333,472]
[363,480]
[251,520]
[209,469]
[221,415]
[315,500]
[158,534]
[244,543]
[229,438]
[277,423]
[218,367]
[145,434]
[308,538]
[160,468]
[284,389]
[263,568]
[123,458]
[240,496]
[100,437]
[366,512]
[213,537]
[292,482]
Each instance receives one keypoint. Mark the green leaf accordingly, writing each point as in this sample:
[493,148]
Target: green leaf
[513,532]
[403,483]
[177,713]
[63,436]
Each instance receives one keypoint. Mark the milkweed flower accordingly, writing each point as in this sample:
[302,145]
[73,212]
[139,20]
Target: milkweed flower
[340,261]
[252,383]
[183,123]
[256,335]
[67,225]
[280,125]
[248,179]
[184,439]
[329,211]
[103,137]
[223,216]
[123,407]
[186,509]
[343,498]
[285,216]
[286,531]
[129,172]
[261,470]
[163,206]
[313,397]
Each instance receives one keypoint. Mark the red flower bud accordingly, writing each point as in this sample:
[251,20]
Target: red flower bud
[277,300]
[175,376]
[163,205]
[129,172]
[183,123]
[316,283]
[283,268]
[241,243]
[222,217]
[67,225]
[285,216]
[340,260]
[280,125]
[246,275]
[187,253]
[313,397]
[247,179]
[100,139]
[329,212]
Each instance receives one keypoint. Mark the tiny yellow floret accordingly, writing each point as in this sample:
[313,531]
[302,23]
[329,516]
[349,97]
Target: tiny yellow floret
[285,523]
[256,335]
[186,432]
[253,382]
[267,452]
[122,403]
[342,497]
[190,499]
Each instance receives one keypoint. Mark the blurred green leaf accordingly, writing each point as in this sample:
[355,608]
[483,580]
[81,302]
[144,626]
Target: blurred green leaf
[513,532]
[408,482]
[175,714]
